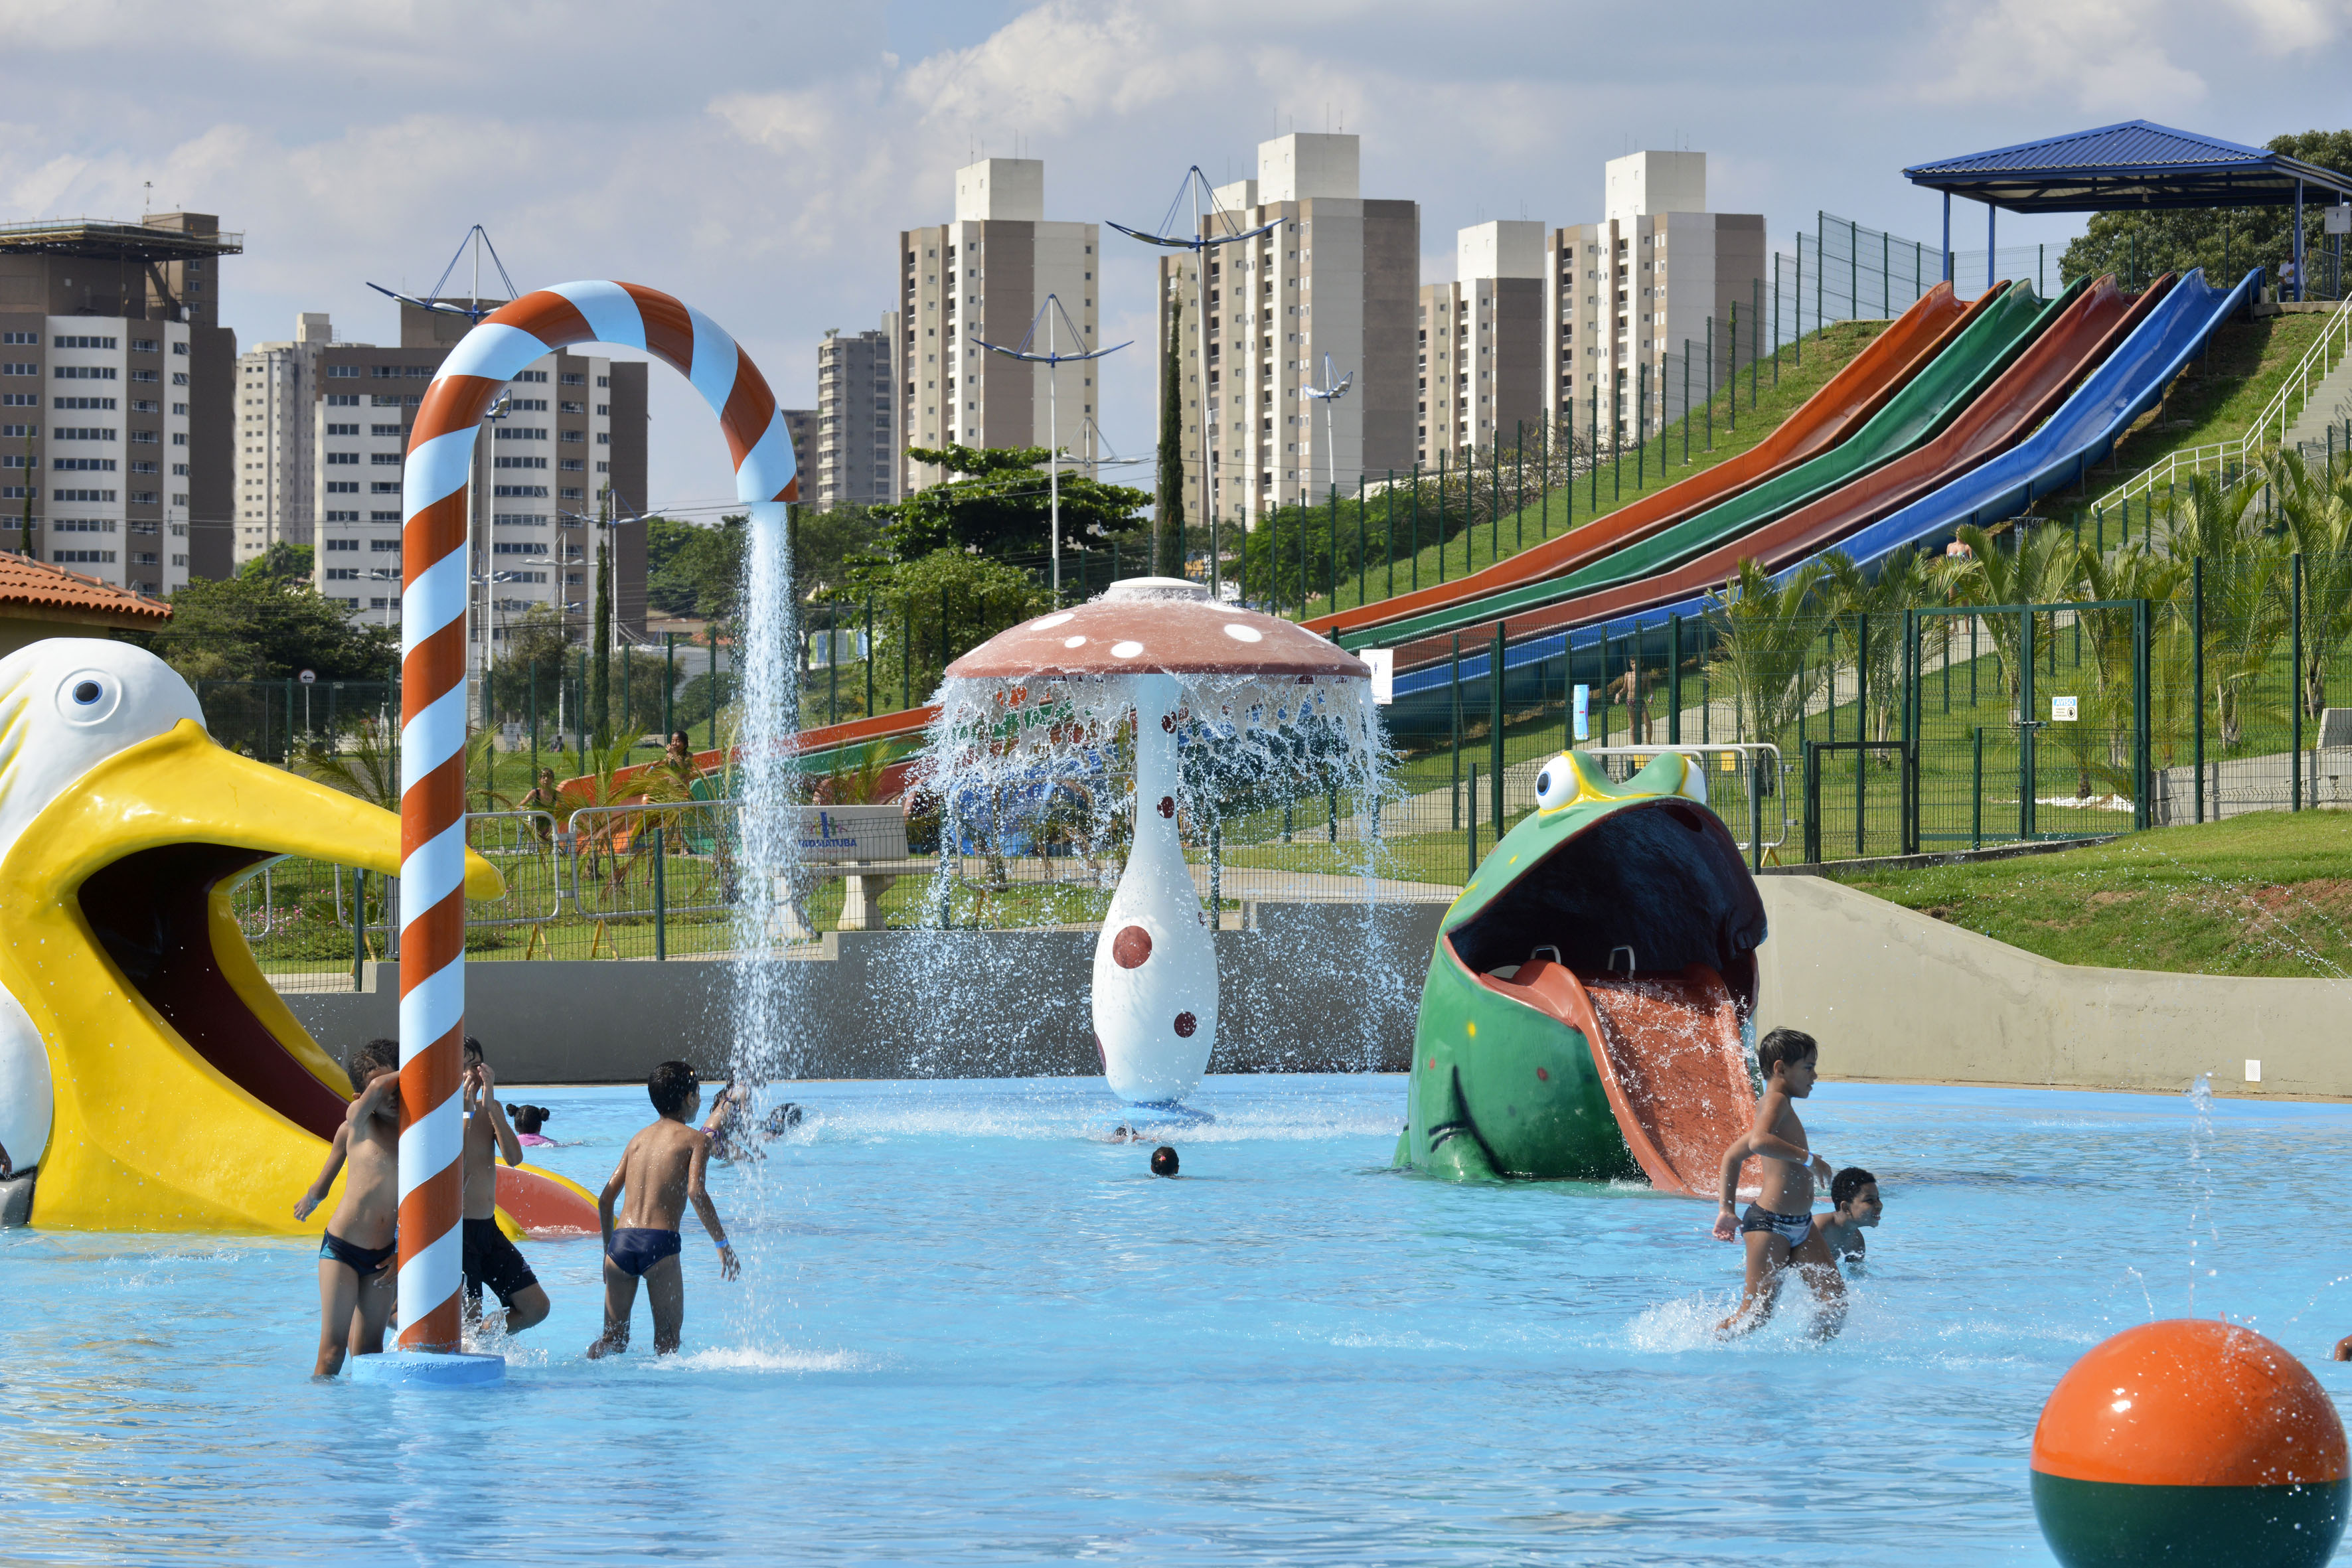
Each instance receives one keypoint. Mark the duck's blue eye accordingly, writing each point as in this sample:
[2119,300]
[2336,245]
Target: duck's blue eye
[88,693]
[1543,782]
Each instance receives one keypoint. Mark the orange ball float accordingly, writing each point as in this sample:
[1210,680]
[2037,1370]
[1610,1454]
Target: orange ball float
[2189,1442]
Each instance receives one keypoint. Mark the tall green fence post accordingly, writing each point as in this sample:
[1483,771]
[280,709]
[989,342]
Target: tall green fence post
[1457,732]
[661,898]
[1471,869]
[1495,727]
[2294,680]
[359,924]
[2197,678]
[1674,680]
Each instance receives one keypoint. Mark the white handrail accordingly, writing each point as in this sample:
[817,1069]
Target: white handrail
[2333,341]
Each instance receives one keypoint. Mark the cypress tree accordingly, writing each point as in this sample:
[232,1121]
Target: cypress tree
[600,678]
[1168,527]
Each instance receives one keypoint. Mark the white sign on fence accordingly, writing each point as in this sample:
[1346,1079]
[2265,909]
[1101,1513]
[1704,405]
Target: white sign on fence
[1383,663]
[831,833]
[2063,710]
[2339,219]
[1583,703]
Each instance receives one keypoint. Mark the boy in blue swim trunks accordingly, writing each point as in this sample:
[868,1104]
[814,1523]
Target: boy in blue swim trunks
[1777,1228]
[661,1171]
[355,1259]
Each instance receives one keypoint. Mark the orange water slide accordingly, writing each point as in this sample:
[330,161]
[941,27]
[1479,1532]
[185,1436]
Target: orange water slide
[2005,412]
[1836,411]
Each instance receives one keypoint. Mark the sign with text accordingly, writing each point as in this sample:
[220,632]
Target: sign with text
[831,833]
[2063,710]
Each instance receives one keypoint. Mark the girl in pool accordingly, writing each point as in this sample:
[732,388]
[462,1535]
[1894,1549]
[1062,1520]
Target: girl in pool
[528,1121]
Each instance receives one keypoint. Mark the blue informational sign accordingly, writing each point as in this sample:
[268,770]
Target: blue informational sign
[1584,698]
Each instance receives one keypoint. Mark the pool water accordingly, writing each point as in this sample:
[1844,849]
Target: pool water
[964,1333]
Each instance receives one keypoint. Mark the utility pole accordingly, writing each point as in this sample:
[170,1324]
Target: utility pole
[1200,242]
[1052,362]
[599,718]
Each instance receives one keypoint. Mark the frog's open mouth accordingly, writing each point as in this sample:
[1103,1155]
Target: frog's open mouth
[1651,888]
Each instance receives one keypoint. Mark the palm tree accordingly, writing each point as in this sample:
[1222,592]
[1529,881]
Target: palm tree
[2315,510]
[1764,630]
[2133,573]
[1856,596]
[369,769]
[2042,565]
[2245,615]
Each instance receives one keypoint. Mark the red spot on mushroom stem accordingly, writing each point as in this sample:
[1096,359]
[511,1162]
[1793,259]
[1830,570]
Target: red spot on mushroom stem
[1167,805]
[1186,1023]
[1131,947]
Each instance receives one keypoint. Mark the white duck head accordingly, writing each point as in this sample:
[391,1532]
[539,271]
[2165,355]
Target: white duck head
[147,1067]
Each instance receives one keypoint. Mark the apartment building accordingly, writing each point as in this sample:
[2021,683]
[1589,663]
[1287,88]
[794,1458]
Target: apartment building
[275,455]
[856,457]
[1335,275]
[983,278]
[114,402]
[1479,358]
[1627,294]
[564,446]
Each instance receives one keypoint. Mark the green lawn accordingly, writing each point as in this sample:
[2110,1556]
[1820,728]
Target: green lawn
[2266,893]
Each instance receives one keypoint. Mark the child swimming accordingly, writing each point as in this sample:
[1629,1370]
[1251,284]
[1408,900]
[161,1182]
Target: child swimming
[528,1121]
[1777,1228]
[1855,1192]
[661,1171]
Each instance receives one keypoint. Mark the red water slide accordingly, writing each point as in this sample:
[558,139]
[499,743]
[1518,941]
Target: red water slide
[1827,417]
[2021,398]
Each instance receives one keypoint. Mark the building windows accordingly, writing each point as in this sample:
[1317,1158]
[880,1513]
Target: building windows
[19,369]
[522,433]
[521,492]
[538,376]
[342,573]
[382,546]
[384,487]
[342,487]
[344,400]
[527,405]
[343,372]
[82,433]
[384,459]
[336,459]
[392,430]
[379,517]
[27,339]
[333,545]
[73,341]
[567,407]
[85,373]
[574,378]
[82,557]
[84,465]
[505,462]
[144,469]
[573,465]
[144,346]
[336,429]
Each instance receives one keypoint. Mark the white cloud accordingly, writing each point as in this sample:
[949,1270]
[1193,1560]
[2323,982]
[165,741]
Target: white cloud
[2098,56]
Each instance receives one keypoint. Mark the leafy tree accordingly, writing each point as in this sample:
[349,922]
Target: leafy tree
[997,504]
[977,597]
[1766,630]
[263,627]
[538,652]
[282,562]
[2225,241]
[825,543]
[694,569]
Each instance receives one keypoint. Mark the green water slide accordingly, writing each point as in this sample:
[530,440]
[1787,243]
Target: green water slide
[1921,408]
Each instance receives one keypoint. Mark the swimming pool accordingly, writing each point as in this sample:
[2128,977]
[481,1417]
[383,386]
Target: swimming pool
[966,1334]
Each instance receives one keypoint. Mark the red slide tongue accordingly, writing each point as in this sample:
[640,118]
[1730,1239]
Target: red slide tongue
[1671,1059]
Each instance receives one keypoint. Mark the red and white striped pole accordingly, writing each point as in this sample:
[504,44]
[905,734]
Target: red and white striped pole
[434,597]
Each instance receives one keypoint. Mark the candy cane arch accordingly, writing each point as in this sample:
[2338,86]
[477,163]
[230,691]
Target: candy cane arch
[435,573]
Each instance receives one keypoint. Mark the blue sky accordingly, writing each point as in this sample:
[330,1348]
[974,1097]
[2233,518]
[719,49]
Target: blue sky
[758,159]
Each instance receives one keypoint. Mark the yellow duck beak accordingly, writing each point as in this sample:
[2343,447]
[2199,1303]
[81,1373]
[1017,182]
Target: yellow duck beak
[186,1096]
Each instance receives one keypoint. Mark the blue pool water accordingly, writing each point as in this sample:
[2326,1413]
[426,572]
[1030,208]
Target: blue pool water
[966,1334]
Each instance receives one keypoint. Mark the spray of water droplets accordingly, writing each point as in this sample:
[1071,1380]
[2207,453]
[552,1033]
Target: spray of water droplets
[1043,769]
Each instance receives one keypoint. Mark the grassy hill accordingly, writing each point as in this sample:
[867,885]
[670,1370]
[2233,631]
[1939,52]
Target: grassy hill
[2266,893]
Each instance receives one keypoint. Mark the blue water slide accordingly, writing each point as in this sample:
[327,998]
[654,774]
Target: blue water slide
[2055,456]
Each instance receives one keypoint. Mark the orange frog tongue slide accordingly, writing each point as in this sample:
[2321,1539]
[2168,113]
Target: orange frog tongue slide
[1670,1060]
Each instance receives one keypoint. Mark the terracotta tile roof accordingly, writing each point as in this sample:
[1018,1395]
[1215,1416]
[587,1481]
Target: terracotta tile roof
[34,586]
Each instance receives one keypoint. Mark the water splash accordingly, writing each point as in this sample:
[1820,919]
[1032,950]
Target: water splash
[767,785]
[2201,1211]
[1041,772]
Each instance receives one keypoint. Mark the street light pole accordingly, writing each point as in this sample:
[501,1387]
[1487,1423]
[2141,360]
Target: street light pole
[1052,360]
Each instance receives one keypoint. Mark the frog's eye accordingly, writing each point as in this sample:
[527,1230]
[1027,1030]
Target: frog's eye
[1556,785]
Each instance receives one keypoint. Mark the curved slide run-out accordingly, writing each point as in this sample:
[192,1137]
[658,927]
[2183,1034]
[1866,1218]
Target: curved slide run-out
[1840,408]
[2123,372]
[1997,333]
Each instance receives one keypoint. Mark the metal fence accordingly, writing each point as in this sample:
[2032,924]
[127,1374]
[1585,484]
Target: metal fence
[1846,271]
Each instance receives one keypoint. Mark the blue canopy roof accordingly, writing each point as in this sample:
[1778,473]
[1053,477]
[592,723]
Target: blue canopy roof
[2126,167]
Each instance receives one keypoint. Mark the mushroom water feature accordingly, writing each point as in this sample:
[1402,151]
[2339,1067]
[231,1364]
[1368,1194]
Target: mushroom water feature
[1224,707]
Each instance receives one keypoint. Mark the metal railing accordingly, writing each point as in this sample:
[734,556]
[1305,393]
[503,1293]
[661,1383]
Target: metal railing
[2270,426]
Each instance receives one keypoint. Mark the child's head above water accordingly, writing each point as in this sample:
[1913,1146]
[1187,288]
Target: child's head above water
[529,1118]
[1163,1161]
[673,1090]
[1854,1191]
[1786,1053]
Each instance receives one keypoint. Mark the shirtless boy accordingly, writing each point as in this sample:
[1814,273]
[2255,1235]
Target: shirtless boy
[490,1259]
[662,1171]
[1855,1192]
[355,1274]
[1777,1228]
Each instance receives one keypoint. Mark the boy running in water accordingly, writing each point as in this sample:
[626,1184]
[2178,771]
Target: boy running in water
[662,1171]
[490,1259]
[355,1277]
[1777,1228]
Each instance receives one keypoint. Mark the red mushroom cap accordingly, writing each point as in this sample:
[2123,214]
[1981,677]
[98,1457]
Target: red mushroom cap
[1163,625]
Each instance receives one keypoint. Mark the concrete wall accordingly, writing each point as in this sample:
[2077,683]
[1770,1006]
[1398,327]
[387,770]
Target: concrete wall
[1898,996]
[1893,995]
[1310,988]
